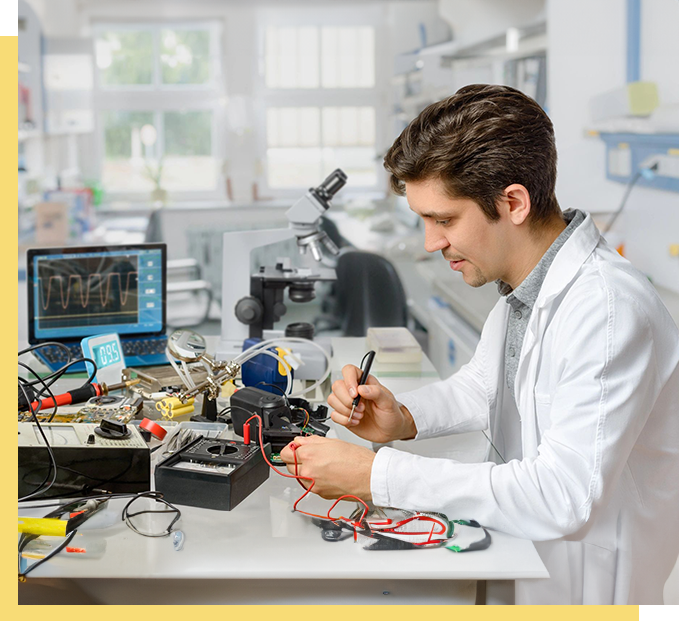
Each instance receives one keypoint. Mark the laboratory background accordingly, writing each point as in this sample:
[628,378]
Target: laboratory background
[195,176]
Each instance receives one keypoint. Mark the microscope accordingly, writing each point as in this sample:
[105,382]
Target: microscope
[253,315]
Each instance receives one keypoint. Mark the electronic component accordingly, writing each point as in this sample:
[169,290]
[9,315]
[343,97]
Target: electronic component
[87,463]
[279,428]
[212,473]
[107,353]
[164,378]
[85,291]
[120,408]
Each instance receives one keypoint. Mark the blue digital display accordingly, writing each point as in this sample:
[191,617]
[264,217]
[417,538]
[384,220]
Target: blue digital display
[106,354]
[81,294]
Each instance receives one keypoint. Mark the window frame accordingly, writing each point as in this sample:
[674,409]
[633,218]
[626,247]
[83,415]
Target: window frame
[375,97]
[154,98]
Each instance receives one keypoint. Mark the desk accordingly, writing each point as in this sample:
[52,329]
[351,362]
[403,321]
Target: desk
[263,553]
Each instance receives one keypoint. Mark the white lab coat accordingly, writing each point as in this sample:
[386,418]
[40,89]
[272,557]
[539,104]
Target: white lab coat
[597,390]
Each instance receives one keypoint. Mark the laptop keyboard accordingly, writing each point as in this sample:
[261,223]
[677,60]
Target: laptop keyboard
[137,351]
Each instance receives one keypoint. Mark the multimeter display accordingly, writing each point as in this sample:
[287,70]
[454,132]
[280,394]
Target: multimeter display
[106,354]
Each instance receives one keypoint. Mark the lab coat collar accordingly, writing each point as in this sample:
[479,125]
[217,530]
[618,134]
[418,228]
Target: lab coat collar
[568,261]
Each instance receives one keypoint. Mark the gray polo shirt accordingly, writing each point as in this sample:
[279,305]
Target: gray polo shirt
[522,299]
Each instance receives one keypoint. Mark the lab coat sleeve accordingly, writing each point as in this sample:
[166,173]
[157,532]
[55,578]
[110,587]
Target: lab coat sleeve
[607,384]
[460,403]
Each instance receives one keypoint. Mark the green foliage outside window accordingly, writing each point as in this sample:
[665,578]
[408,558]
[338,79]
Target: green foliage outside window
[185,56]
[188,133]
[118,128]
[125,58]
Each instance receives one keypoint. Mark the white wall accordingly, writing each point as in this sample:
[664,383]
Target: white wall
[587,56]
[404,25]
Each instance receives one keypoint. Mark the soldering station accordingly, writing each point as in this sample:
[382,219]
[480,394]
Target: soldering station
[131,430]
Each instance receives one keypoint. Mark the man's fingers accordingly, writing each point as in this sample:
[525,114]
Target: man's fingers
[286,454]
[302,440]
[337,404]
[351,375]
[343,420]
[375,392]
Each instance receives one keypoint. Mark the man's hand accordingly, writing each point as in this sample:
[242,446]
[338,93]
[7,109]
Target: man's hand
[378,416]
[338,467]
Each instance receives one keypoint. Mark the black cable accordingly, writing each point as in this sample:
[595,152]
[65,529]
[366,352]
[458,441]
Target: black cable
[55,375]
[285,396]
[625,196]
[228,408]
[75,501]
[34,412]
[46,344]
[64,508]
[52,554]
[628,190]
[158,498]
[53,462]
[46,388]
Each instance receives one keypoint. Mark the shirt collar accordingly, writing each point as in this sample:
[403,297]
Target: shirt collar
[527,292]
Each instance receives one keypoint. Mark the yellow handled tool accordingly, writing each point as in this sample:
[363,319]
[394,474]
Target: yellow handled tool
[43,526]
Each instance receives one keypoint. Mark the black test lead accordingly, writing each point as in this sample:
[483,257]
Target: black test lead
[364,378]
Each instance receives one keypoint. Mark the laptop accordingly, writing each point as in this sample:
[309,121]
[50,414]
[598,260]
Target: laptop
[82,291]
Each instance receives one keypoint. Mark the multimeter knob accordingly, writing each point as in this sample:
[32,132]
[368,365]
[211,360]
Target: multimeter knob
[112,430]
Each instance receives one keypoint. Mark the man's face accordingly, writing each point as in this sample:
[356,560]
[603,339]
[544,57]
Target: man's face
[458,228]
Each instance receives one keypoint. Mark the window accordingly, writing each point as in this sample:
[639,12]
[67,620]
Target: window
[313,57]
[160,100]
[309,143]
[320,100]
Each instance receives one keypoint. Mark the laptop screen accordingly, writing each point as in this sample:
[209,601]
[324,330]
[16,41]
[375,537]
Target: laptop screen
[82,291]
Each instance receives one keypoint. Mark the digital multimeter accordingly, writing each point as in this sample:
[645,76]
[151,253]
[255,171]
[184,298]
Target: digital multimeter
[107,353]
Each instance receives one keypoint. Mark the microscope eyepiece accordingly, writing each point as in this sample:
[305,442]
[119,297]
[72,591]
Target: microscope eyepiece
[332,184]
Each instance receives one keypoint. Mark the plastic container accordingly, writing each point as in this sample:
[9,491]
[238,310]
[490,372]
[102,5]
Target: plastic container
[394,345]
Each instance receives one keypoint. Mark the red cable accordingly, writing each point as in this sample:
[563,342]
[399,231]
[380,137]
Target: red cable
[299,478]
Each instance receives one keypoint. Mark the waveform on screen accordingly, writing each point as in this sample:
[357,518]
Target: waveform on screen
[93,281]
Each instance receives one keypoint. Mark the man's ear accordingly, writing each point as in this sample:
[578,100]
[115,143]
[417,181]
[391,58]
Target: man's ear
[516,203]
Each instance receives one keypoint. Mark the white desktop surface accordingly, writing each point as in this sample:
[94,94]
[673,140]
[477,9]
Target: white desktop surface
[265,537]
[263,540]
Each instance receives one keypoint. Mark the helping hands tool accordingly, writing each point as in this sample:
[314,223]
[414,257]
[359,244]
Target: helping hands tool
[364,378]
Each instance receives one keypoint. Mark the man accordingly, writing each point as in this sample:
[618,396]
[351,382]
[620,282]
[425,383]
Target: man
[576,376]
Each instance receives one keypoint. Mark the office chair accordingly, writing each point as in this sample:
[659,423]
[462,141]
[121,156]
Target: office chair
[369,293]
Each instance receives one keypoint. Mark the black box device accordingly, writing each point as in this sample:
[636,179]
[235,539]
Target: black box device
[212,473]
[87,463]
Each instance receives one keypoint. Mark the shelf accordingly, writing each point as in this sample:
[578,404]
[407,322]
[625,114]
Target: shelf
[532,39]
[409,76]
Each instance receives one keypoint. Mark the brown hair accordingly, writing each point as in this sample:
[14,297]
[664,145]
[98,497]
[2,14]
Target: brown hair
[477,142]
